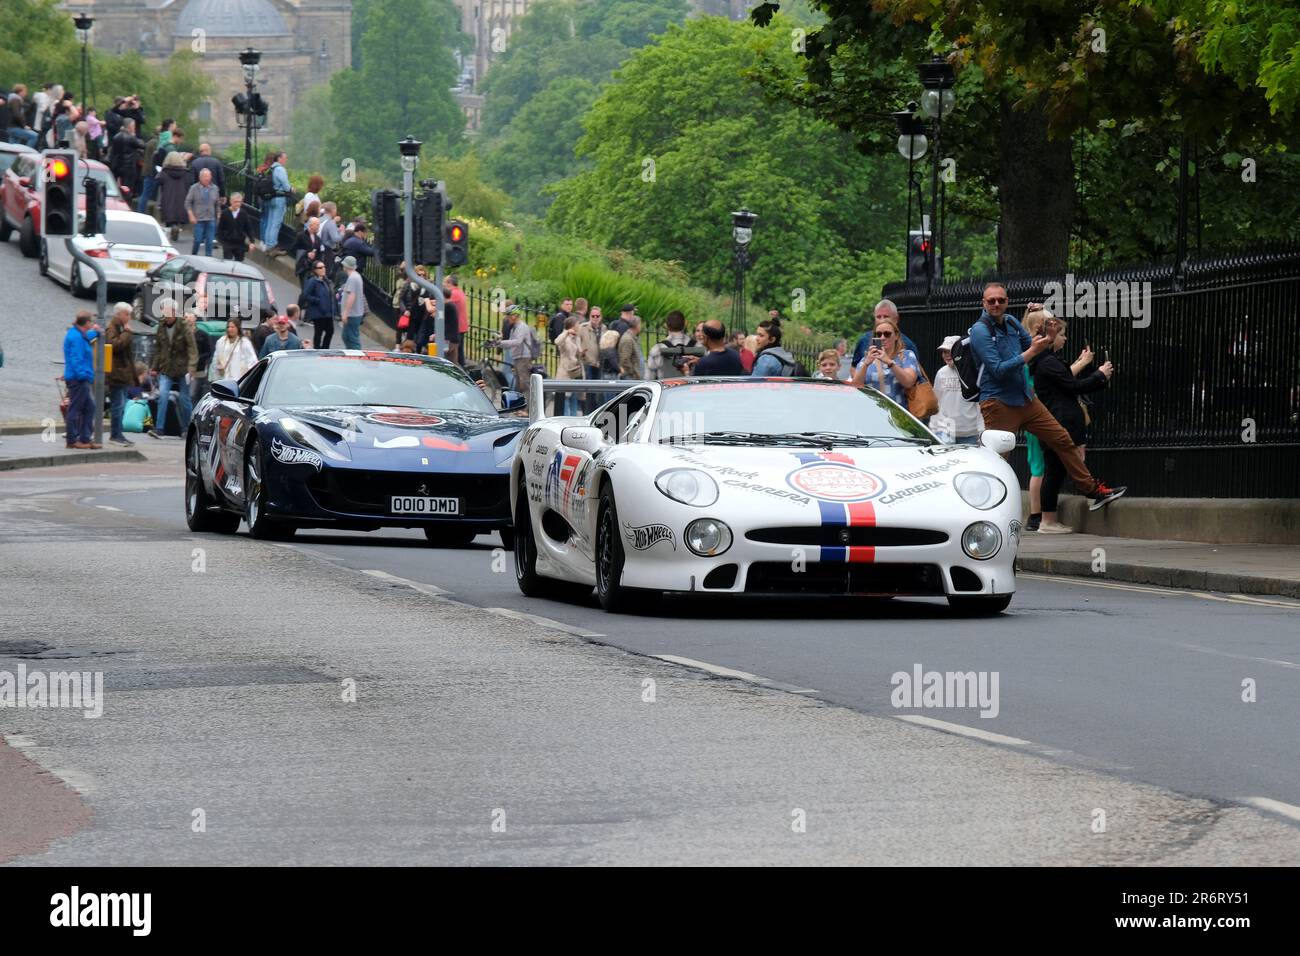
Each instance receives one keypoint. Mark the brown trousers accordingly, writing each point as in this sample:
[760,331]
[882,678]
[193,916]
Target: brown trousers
[1039,422]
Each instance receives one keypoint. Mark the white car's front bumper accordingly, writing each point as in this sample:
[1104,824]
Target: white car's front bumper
[908,556]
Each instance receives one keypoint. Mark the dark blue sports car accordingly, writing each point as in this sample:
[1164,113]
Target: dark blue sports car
[350,440]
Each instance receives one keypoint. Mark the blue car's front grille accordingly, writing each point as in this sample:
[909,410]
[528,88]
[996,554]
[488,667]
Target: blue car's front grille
[371,492]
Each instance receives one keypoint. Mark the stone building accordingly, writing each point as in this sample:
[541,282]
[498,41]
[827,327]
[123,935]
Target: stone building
[302,43]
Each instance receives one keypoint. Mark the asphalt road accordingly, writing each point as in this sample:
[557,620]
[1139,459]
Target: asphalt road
[1143,682]
[225,737]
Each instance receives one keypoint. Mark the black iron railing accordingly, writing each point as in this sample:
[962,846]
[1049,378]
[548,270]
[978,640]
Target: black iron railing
[1205,400]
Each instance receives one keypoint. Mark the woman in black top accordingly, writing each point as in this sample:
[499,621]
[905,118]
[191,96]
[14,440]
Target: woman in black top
[1058,388]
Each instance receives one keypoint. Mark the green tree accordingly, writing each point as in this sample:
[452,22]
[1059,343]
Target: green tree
[1044,84]
[403,85]
[311,130]
[536,149]
[685,134]
[569,38]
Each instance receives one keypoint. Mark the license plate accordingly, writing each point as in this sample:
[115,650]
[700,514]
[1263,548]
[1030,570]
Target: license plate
[425,506]
[138,265]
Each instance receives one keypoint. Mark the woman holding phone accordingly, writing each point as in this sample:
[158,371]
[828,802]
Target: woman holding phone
[887,366]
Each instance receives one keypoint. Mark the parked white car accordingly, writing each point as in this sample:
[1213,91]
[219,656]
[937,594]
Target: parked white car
[133,244]
[761,486]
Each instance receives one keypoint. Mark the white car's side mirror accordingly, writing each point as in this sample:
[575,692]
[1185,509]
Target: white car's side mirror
[998,441]
[582,438]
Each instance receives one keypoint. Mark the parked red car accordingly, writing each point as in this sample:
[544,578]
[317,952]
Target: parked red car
[20,198]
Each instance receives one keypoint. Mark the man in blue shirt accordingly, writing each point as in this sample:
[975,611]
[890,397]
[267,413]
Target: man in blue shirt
[79,374]
[1004,348]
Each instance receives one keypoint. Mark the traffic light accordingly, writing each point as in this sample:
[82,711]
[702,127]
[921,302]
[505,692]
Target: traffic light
[95,222]
[429,207]
[386,210]
[257,105]
[59,204]
[456,248]
[918,255]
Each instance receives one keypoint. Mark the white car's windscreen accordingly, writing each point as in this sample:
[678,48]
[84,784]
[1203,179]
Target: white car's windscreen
[736,411]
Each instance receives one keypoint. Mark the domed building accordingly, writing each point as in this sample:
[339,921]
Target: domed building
[302,42]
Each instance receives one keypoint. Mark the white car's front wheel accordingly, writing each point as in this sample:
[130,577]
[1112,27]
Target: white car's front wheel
[610,558]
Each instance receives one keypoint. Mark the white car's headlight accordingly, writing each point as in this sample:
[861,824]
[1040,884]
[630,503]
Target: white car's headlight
[689,486]
[304,434]
[708,537]
[979,490]
[981,540]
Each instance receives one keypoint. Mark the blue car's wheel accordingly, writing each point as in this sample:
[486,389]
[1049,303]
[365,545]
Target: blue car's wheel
[198,503]
[260,525]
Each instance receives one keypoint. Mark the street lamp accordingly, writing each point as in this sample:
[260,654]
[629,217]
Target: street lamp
[742,233]
[83,25]
[248,106]
[937,100]
[912,146]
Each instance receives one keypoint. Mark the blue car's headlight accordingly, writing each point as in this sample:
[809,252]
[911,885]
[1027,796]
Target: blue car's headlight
[304,434]
[979,490]
[690,486]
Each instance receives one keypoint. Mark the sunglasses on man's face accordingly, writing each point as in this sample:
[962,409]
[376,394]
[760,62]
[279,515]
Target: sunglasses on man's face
[995,301]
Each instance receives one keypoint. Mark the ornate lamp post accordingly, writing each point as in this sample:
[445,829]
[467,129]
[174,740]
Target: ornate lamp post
[742,233]
[246,104]
[84,25]
[937,101]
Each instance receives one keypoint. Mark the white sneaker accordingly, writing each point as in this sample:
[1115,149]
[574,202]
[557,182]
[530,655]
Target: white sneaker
[1053,527]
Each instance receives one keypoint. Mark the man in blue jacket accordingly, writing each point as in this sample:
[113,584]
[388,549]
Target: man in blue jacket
[79,374]
[1004,348]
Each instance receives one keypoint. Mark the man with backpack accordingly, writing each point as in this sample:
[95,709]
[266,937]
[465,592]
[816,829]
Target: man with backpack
[658,366]
[999,349]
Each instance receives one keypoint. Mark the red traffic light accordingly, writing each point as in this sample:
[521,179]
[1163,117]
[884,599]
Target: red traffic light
[457,233]
[59,168]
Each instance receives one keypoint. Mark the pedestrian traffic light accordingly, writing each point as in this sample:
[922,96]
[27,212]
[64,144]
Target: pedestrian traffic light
[59,204]
[386,210]
[95,222]
[456,247]
[918,255]
[429,208]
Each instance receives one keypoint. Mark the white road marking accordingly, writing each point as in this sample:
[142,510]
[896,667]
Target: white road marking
[430,589]
[79,781]
[964,731]
[1275,806]
[1251,599]
[542,621]
[107,508]
[732,673]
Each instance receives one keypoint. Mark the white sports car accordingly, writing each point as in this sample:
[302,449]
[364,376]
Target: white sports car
[761,486]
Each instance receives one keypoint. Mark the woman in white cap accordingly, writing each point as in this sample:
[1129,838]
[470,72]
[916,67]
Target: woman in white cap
[958,420]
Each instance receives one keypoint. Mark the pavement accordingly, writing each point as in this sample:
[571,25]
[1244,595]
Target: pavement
[1231,568]
[271,704]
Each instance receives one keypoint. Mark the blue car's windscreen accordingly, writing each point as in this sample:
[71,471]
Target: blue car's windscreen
[357,380]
